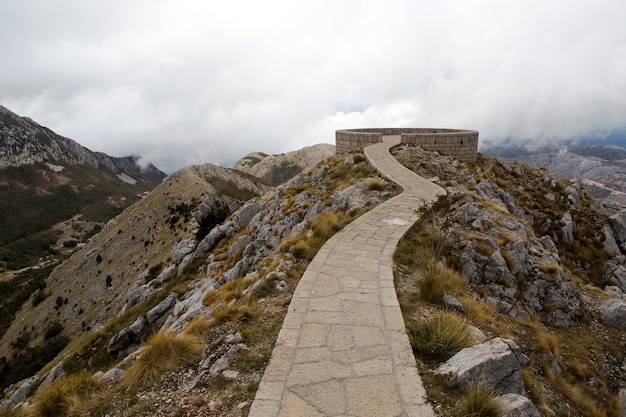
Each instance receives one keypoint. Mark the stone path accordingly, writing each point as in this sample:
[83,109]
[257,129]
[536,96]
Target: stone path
[343,348]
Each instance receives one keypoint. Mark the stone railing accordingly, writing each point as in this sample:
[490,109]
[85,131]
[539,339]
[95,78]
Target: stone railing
[457,143]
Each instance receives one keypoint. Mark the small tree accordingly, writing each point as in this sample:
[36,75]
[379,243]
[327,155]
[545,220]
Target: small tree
[438,217]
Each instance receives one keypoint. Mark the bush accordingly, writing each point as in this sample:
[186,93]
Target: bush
[375,185]
[300,250]
[65,396]
[478,401]
[53,329]
[440,337]
[164,352]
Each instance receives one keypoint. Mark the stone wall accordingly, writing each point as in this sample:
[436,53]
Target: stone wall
[459,144]
[347,140]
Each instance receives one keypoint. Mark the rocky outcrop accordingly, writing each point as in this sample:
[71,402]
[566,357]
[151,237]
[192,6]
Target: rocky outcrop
[496,363]
[132,336]
[522,274]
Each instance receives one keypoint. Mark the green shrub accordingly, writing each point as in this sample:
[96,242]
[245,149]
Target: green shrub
[53,329]
[440,337]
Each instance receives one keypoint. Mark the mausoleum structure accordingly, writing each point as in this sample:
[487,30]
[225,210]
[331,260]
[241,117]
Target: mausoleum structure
[457,143]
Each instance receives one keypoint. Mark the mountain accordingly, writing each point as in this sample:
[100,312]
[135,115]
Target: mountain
[56,191]
[276,169]
[602,167]
[174,307]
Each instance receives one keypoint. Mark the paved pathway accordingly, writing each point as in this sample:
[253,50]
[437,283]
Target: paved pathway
[343,348]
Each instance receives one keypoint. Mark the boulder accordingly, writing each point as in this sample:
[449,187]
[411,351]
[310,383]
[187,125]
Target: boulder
[573,196]
[514,405]
[496,363]
[130,336]
[617,275]
[613,313]
[610,244]
[618,225]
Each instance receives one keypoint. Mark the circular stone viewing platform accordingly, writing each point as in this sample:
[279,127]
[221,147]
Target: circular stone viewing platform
[457,143]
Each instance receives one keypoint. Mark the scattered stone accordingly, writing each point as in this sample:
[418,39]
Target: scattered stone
[223,362]
[567,229]
[453,304]
[232,339]
[113,375]
[476,334]
[230,374]
[514,405]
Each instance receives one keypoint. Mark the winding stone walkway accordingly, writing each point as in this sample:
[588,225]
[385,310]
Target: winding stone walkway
[343,348]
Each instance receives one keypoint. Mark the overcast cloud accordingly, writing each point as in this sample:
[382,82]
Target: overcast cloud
[184,82]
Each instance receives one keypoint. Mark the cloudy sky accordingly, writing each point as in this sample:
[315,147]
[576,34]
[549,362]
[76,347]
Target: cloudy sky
[193,81]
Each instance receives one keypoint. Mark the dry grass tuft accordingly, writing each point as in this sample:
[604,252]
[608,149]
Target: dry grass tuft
[64,397]
[545,343]
[440,337]
[199,326]
[478,401]
[376,185]
[164,352]
[439,280]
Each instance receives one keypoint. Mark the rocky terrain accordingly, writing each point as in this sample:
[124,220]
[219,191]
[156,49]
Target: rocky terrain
[203,230]
[535,253]
[174,307]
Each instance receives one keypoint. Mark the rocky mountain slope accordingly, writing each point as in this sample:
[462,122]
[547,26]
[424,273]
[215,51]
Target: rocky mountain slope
[276,169]
[603,167]
[174,307]
[525,257]
[56,191]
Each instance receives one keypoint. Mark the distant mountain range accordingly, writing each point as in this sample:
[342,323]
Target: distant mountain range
[55,192]
[599,163]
